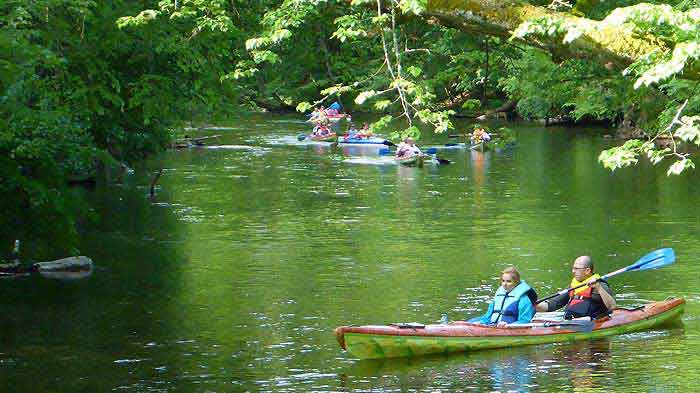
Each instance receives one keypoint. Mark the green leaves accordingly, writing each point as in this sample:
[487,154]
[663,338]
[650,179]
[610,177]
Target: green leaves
[679,166]
[415,7]
[684,53]
[621,156]
[142,18]
[304,106]
[689,131]
[364,96]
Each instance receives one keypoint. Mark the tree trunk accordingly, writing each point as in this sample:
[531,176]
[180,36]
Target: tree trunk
[614,46]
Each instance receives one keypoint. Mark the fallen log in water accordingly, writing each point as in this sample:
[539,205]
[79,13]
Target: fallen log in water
[71,267]
[188,141]
[70,263]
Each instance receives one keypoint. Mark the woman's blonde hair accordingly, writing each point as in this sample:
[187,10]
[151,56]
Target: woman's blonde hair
[513,272]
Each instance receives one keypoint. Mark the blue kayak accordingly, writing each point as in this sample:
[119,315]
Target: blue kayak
[362,141]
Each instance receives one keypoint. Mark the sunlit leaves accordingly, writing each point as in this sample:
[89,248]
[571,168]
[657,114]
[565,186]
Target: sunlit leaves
[656,156]
[260,56]
[689,130]
[142,18]
[380,20]
[382,104]
[544,26]
[364,96]
[336,90]
[439,119]
[279,35]
[410,132]
[256,43]
[679,166]
[682,54]
[621,156]
[304,106]
[415,7]
[350,27]
[414,71]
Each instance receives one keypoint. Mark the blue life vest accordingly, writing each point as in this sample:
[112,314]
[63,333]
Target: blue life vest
[505,305]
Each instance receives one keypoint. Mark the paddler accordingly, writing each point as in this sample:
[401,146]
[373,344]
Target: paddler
[407,148]
[514,301]
[594,300]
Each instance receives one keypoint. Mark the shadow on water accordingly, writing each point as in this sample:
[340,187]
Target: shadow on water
[84,334]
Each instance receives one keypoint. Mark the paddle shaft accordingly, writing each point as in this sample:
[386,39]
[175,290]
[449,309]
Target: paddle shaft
[563,291]
[571,325]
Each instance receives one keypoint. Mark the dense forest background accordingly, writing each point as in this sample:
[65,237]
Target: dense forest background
[90,87]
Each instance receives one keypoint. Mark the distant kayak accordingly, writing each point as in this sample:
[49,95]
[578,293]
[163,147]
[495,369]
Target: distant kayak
[401,340]
[415,159]
[362,141]
[324,138]
[481,146]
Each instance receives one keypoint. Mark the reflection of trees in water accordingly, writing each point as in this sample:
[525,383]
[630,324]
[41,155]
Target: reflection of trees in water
[46,233]
[56,327]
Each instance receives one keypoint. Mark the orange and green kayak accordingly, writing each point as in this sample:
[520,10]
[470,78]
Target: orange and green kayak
[401,340]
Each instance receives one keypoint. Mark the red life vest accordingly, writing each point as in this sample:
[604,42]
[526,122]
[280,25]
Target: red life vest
[581,303]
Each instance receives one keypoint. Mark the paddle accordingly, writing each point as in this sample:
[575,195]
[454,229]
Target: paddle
[301,137]
[575,325]
[389,143]
[653,260]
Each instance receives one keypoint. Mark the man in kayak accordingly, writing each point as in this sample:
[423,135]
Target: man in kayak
[514,302]
[594,300]
[407,148]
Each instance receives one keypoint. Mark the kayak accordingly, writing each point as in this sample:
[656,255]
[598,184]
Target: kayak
[481,146]
[362,141]
[324,138]
[415,159]
[401,340]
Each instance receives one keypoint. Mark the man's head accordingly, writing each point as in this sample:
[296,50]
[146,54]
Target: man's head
[582,267]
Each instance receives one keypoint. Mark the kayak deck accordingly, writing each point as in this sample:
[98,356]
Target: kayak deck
[368,342]
[415,159]
[362,141]
[323,138]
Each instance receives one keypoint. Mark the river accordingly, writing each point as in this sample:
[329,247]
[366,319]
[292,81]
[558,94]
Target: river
[233,277]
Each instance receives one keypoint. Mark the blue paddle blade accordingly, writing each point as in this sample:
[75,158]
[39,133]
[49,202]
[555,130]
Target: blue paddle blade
[450,144]
[301,137]
[431,150]
[384,152]
[654,260]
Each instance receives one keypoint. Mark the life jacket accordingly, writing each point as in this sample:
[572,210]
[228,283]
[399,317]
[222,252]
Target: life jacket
[581,303]
[505,304]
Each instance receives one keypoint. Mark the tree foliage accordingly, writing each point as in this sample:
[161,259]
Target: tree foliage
[87,84]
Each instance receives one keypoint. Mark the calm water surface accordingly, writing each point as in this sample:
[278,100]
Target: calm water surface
[234,277]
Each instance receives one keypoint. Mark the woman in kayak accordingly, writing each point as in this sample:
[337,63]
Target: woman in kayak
[514,302]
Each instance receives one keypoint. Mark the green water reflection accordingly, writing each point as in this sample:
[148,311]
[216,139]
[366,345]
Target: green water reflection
[234,277]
